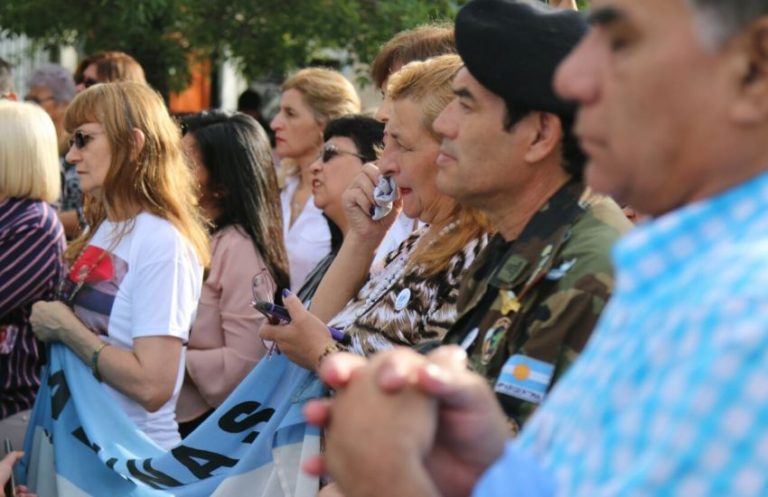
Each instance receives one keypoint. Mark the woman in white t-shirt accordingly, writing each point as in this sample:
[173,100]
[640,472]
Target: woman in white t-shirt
[134,278]
[311,97]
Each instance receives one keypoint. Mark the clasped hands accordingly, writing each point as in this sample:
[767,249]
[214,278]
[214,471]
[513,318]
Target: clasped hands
[406,424]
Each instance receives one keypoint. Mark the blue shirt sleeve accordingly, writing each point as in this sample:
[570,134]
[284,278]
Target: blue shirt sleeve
[515,474]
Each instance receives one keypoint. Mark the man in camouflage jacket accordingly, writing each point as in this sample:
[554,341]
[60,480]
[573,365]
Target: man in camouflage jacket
[531,299]
[534,301]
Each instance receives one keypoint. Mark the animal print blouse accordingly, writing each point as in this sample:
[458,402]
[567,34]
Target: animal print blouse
[395,307]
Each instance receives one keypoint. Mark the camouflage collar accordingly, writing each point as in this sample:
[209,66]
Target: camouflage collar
[529,257]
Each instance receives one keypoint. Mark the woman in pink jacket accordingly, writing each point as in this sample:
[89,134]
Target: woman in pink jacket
[238,187]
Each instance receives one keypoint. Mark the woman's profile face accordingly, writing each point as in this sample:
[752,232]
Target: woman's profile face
[332,177]
[90,78]
[298,135]
[90,152]
[409,155]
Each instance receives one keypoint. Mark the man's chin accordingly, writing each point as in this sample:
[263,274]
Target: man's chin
[596,178]
[444,184]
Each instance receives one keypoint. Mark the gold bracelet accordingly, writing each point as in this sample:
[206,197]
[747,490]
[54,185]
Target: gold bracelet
[95,360]
[331,348]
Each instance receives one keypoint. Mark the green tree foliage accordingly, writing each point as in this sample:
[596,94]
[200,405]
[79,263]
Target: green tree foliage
[264,36]
[147,29]
[273,36]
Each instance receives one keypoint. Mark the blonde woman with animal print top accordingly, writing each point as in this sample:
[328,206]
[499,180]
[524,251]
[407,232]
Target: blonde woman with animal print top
[411,300]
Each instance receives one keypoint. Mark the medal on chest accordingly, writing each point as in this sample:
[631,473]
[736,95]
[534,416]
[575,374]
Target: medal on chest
[509,302]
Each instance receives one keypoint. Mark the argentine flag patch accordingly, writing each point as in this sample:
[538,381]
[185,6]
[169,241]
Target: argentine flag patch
[525,378]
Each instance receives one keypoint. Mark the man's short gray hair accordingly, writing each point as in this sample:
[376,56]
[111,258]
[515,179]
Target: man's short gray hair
[57,79]
[720,20]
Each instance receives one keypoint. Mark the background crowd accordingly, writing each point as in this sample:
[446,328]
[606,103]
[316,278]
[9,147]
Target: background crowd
[480,307]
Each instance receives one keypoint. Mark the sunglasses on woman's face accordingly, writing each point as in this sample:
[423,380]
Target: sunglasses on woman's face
[80,140]
[330,151]
[88,82]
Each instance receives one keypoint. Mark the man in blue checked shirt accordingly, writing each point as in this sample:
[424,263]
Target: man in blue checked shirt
[670,397]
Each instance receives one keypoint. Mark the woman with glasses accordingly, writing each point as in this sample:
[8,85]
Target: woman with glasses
[31,245]
[232,159]
[133,283]
[107,67]
[411,300]
[310,98]
[350,142]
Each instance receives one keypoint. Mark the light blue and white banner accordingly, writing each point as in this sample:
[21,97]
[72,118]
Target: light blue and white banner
[253,444]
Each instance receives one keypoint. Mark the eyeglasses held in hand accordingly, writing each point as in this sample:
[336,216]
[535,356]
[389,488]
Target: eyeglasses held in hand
[263,290]
[330,151]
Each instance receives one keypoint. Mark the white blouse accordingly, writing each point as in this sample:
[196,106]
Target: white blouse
[308,240]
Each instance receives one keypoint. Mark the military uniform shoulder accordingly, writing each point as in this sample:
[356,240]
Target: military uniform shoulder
[601,209]
[601,225]
[593,236]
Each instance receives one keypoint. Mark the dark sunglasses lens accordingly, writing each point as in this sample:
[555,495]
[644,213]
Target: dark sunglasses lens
[329,153]
[79,140]
[88,82]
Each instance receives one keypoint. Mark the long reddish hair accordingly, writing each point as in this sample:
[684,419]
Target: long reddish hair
[154,179]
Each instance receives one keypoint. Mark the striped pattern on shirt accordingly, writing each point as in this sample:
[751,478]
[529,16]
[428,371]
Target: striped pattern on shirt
[31,248]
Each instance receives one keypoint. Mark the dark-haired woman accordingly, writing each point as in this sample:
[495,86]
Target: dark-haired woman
[238,192]
[350,141]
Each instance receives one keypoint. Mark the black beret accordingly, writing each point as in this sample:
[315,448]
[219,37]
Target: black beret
[513,48]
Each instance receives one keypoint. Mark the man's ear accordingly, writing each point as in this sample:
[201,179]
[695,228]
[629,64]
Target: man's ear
[138,142]
[545,137]
[751,53]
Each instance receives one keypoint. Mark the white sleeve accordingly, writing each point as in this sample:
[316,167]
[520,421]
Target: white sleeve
[165,296]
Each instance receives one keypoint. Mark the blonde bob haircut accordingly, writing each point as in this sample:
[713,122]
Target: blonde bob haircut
[29,158]
[153,178]
[428,84]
